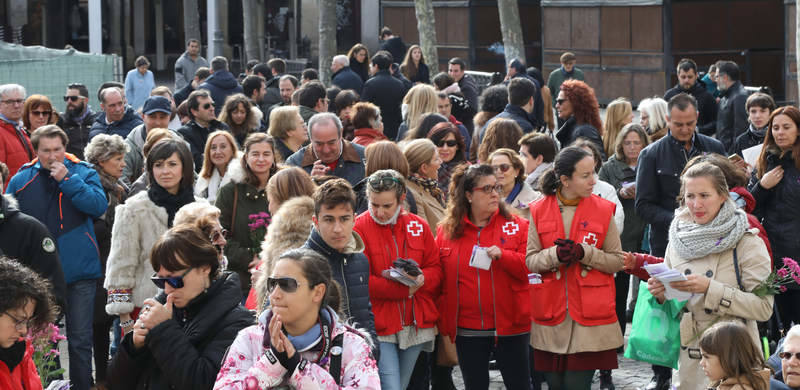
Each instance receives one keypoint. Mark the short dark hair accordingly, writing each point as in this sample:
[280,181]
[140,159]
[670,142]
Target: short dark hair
[309,74]
[442,80]
[687,64]
[729,68]
[682,101]
[277,64]
[142,60]
[165,148]
[184,246]
[190,40]
[520,91]
[194,100]
[333,193]
[82,90]
[291,78]
[458,61]
[262,69]
[48,131]
[219,63]
[251,64]
[564,164]
[20,285]
[760,99]
[251,84]
[202,73]
[109,84]
[494,99]
[344,99]
[386,31]
[382,59]
[539,144]
[311,93]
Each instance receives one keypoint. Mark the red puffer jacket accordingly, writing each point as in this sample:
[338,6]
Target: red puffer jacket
[479,299]
[409,238]
[12,151]
[24,376]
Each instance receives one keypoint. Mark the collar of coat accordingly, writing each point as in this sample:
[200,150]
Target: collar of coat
[349,154]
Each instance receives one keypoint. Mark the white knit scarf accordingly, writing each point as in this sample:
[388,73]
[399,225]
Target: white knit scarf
[694,241]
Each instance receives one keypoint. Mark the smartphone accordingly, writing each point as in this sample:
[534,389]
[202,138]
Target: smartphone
[735,158]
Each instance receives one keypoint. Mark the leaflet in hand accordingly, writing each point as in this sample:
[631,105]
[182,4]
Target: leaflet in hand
[400,276]
[666,275]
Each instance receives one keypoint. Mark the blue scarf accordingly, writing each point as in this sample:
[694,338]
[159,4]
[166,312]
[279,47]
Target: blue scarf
[514,192]
[312,337]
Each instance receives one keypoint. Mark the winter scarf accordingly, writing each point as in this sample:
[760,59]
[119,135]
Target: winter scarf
[115,191]
[445,172]
[429,185]
[170,202]
[694,241]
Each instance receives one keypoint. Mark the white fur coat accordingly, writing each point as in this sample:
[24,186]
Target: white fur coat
[233,172]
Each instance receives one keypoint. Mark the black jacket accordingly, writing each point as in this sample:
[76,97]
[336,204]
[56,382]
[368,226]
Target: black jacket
[396,47]
[470,90]
[221,84]
[25,239]
[351,271]
[360,69]
[706,105]
[658,182]
[571,131]
[537,116]
[732,115]
[77,130]
[121,127]
[386,92]
[196,136]
[777,208]
[748,139]
[186,351]
[183,94]
[345,78]
[515,113]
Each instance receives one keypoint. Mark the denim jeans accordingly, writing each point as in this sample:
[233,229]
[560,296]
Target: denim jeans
[396,365]
[79,315]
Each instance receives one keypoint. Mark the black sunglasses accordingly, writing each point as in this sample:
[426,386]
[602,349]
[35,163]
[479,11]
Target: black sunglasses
[451,143]
[175,281]
[381,184]
[288,285]
[72,98]
[788,355]
[502,167]
[207,106]
[560,101]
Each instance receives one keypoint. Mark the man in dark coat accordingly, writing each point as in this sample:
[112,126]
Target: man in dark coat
[333,237]
[386,92]
[521,92]
[117,117]
[706,105]
[516,69]
[203,122]
[199,78]
[456,68]
[221,83]
[393,44]
[343,76]
[77,119]
[732,115]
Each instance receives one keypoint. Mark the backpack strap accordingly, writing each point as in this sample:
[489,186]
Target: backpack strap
[335,369]
[736,269]
[412,203]
[233,212]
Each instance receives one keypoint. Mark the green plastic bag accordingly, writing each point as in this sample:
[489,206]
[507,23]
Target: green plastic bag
[655,333]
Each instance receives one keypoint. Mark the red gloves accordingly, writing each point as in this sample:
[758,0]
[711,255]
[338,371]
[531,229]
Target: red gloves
[568,251]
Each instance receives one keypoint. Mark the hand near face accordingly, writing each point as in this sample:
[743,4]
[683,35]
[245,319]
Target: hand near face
[278,339]
[156,313]
[772,178]
[58,171]
[139,334]
[319,169]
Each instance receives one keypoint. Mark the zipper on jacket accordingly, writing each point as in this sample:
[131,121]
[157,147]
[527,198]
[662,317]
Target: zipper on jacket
[478,273]
[346,289]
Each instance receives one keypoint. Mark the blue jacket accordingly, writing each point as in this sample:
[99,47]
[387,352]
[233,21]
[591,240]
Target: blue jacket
[67,209]
[345,78]
[121,127]
[221,84]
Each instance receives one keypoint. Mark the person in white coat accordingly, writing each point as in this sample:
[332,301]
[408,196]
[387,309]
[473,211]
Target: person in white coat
[221,165]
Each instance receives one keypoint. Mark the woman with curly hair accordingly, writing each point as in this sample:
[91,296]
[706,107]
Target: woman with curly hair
[241,116]
[359,60]
[414,67]
[501,133]
[577,106]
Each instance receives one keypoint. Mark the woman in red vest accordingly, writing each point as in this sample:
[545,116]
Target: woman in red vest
[574,244]
[27,306]
[484,304]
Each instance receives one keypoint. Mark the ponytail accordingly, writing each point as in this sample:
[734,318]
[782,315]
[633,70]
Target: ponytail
[549,182]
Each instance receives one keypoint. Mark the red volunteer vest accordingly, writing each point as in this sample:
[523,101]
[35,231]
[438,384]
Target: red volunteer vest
[588,294]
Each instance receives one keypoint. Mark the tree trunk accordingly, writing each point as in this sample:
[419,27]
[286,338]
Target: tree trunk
[250,30]
[191,20]
[797,45]
[327,38]
[513,43]
[426,24]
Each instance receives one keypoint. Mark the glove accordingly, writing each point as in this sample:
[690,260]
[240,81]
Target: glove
[568,251]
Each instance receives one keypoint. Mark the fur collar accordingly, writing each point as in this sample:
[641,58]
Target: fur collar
[233,172]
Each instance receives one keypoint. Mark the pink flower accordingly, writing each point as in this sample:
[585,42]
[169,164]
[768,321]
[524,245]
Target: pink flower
[263,214]
[251,383]
[782,288]
[792,265]
[782,273]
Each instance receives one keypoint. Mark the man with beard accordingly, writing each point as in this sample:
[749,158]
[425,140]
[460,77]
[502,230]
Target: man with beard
[77,119]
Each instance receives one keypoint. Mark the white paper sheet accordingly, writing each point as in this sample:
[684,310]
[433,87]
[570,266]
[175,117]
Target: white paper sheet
[751,154]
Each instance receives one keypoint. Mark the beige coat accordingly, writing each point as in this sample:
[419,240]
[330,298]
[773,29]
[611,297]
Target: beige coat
[734,383]
[723,301]
[428,208]
[520,204]
[569,336]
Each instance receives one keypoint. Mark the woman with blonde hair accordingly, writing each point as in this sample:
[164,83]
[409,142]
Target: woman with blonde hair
[220,165]
[653,117]
[241,116]
[618,114]
[288,129]
[423,165]
[414,67]
[421,99]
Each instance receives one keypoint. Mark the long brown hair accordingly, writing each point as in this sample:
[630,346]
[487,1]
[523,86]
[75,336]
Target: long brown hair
[738,355]
[769,142]
[501,133]
[352,55]
[464,179]
[408,68]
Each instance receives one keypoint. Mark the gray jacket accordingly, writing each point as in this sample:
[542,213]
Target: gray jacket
[185,68]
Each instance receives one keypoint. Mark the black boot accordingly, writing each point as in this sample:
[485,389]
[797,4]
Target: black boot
[659,382]
[605,380]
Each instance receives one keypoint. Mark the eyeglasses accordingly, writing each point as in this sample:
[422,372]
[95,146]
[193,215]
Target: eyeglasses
[42,113]
[788,355]
[451,143]
[19,324]
[560,101]
[381,184]
[219,233]
[175,281]
[73,98]
[288,285]
[489,188]
[207,106]
[13,101]
[502,167]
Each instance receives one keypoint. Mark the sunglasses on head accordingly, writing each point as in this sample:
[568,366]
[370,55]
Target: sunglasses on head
[560,101]
[788,355]
[72,98]
[451,143]
[288,285]
[174,281]
[382,183]
[502,167]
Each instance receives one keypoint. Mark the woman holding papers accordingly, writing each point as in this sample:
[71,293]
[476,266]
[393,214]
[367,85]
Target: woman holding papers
[484,304]
[403,302]
[574,244]
[711,243]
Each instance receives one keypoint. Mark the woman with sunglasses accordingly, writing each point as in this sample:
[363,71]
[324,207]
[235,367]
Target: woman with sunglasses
[510,172]
[140,222]
[181,336]
[573,242]
[405,315]
[423,165]
[300,342]
[484,306]
[27,306]
[579,112]
[452,151]
[37,112]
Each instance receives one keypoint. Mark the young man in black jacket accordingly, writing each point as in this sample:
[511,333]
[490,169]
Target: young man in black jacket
[706,105]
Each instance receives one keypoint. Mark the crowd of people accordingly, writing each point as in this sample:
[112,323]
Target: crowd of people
[265,231]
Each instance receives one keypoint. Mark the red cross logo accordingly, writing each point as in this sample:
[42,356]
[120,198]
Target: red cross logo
[415,228]
[590,239]
[510,228]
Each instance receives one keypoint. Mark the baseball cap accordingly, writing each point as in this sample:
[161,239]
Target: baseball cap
[157,104]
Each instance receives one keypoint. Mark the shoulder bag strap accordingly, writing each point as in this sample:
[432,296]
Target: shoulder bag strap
[335,368]
[736,268]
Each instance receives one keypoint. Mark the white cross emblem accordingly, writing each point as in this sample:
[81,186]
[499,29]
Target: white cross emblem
[510,228]
[415,228]
[590,239]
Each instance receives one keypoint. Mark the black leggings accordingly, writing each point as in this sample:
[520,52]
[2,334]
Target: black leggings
[788,304]
[511,353]
[622,282]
